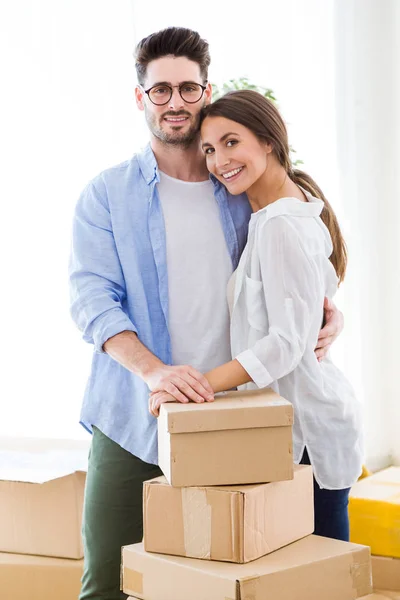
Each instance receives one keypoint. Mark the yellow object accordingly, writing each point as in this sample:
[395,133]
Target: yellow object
[374,511]
[364,473]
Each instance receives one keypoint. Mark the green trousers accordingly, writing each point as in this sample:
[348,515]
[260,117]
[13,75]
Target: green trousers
[112,514]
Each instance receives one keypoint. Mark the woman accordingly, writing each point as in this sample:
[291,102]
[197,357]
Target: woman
[294,257]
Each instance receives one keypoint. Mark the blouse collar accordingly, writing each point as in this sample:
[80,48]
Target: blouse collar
[293,207]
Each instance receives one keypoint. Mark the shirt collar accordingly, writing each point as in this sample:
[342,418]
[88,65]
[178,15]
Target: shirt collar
[149,167]
[148,164]
[292,206]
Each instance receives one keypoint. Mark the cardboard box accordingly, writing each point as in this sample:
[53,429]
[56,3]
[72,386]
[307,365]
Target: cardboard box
[313,568]
[39,578]
[241,437]
[41,502]
[388,594]
[376,596]
[386,573]
[228,523]
[374,511]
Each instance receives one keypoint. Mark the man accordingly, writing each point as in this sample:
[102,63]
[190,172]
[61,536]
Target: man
[155,241]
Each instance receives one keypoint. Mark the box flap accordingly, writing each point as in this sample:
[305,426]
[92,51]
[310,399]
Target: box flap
[40,467]
[230,410]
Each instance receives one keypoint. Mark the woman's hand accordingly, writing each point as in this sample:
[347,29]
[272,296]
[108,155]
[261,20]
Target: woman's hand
[158,398]
[334,323]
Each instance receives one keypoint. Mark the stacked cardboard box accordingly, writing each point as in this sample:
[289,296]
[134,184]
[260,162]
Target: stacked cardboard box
[375,520]
[39,577]
[377,596]
[229,523]
[41,500]
[220,443]
[386,571]
[386,575]
[232,495]
[374,511]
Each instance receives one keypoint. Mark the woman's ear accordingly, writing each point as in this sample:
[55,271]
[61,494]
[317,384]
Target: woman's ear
[268,147]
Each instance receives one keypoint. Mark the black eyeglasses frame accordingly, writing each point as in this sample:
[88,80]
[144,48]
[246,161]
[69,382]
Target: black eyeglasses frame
[171,88]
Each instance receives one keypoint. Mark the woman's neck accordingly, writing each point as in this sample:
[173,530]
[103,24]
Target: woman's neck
[274,184]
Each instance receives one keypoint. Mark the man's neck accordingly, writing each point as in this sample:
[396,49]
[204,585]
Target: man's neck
[187,164]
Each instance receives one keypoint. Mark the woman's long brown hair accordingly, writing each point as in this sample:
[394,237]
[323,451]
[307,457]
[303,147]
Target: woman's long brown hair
[260,115]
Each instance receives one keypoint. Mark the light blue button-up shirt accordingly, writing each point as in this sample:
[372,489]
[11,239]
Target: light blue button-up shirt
[119,281]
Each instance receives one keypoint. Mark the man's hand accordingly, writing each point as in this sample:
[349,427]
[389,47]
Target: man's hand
[158,398]
[184,383]
[334,322]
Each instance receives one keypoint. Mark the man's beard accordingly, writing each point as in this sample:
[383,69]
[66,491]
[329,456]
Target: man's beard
[177,138]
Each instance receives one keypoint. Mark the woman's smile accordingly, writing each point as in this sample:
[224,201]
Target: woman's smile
[232,175]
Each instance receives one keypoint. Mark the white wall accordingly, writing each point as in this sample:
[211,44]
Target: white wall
[367,94]
[68,113]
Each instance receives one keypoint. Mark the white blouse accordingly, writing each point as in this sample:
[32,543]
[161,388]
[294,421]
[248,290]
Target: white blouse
[280,284]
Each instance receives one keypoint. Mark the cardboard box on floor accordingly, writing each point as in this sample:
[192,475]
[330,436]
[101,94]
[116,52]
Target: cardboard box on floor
[24,577]
[386,573]
[41,502]
[374,511]
[228,523]
[313,568]
[241,437]
[376,596]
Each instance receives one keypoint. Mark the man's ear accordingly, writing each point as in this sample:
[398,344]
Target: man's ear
[208,93]
[139,96]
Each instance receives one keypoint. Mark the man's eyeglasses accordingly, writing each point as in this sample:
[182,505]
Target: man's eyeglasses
[188,91]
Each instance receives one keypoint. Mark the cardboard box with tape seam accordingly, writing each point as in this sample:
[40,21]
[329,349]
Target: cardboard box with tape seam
[241,437]
[227,523]
[386,573]
[313,568]
[24,577]
[41,502]
[374,512]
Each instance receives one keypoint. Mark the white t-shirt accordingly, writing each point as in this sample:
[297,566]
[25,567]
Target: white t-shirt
[199,266]
[282,278]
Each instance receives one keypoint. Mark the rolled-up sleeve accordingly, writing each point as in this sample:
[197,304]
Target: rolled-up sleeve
[97,286]
[293,292]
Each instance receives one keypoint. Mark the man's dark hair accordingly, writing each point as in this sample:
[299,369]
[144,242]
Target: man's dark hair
[175,41]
